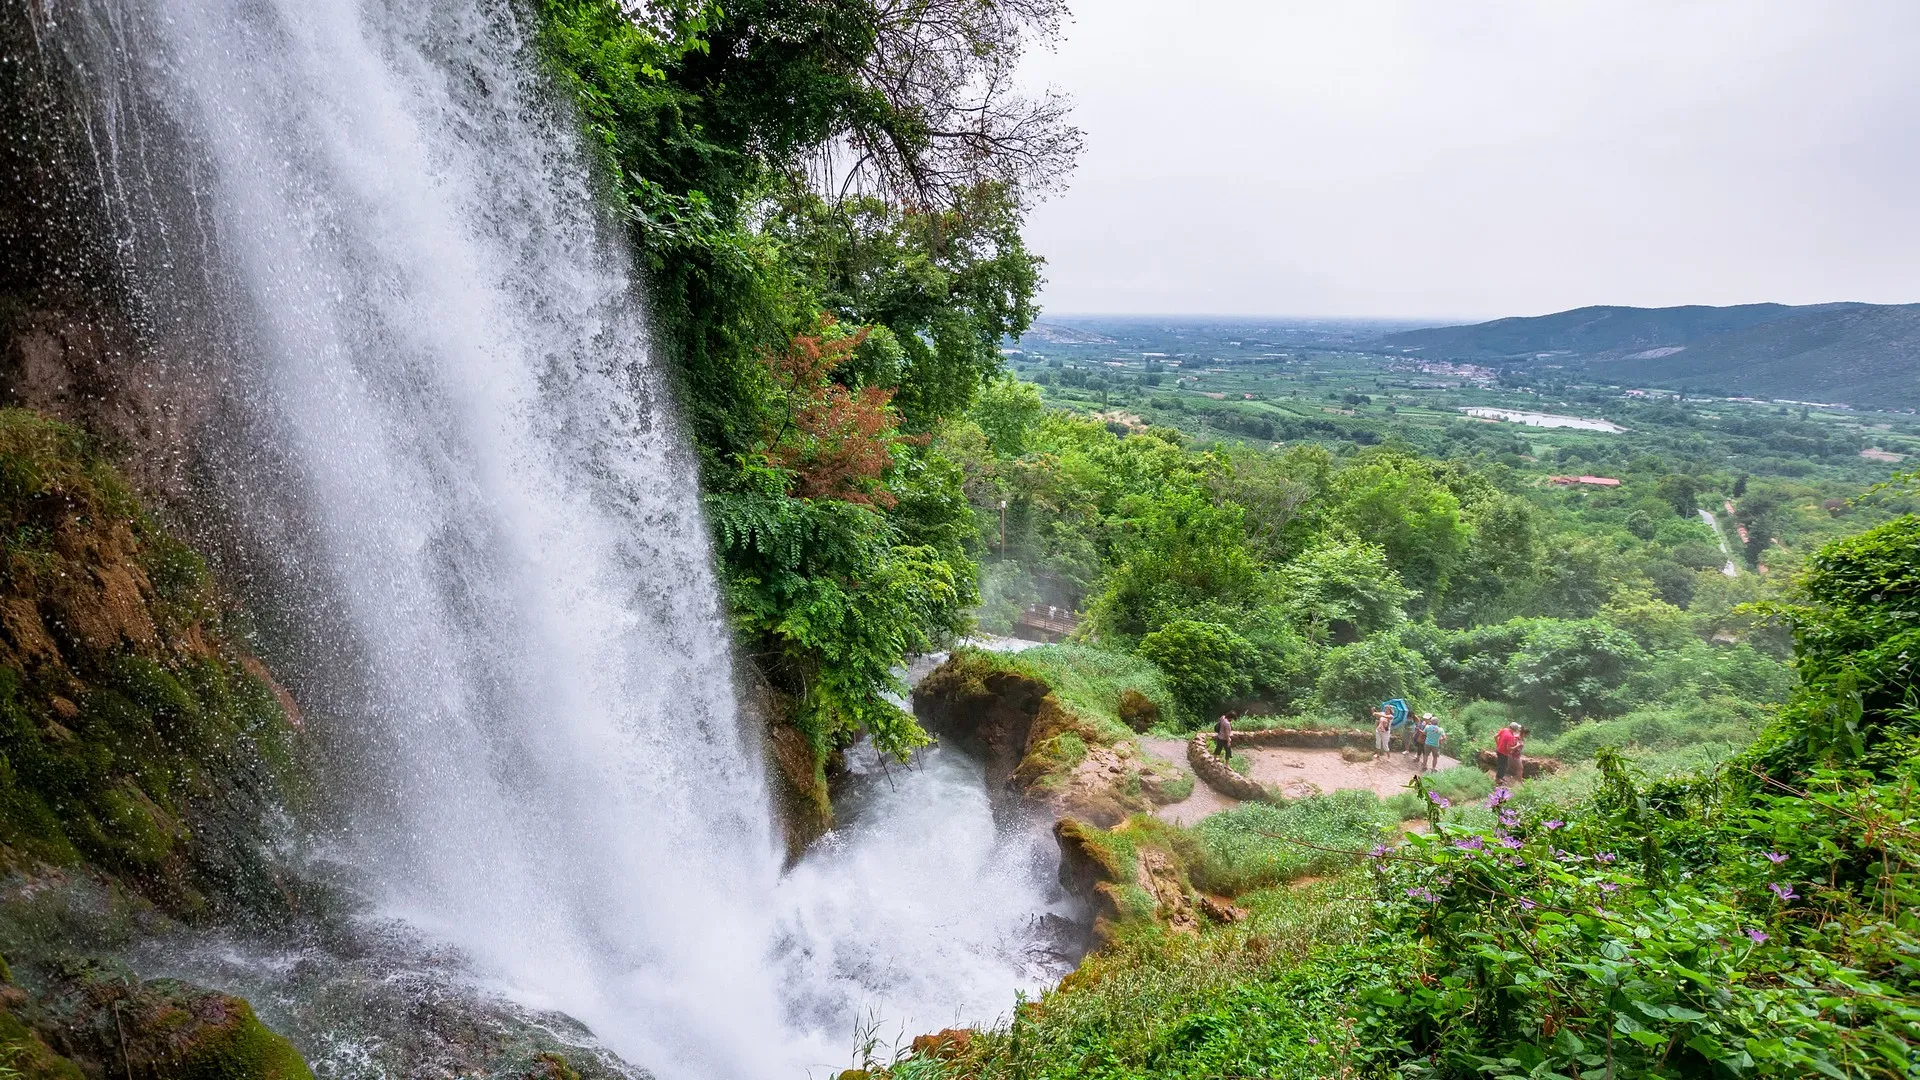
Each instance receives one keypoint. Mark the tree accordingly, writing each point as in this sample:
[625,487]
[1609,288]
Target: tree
[1205,663]
[1500,569]
[1176,551]
[1567,670]
[1008,411]
[1395,502]
[1679,491]
[1856,631]
[1357,678]
[1342,590]
[837,443]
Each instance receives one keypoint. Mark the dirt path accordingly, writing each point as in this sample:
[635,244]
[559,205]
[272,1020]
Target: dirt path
[1294,773]
[1204,800]
[1300,773]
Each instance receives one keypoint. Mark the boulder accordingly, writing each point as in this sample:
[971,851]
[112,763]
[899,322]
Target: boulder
[1221,910]
[1137,710]
[943,1045]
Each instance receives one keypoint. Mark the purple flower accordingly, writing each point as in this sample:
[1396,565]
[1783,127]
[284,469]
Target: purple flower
[1499,795]
[1552,825]
[1511,842]
[1422,894]
[1609,887]
[1379,851]
[1600,911]
[1759,936]
[1784,892]
[1440,801]
[1509,817]
[1603,857]
[1311,1041]
[1776,858]
[1471,843]
[1526,903]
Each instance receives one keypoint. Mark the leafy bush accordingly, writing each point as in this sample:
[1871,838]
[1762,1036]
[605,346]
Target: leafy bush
[1205,663]
[1356,678]
[1694,929]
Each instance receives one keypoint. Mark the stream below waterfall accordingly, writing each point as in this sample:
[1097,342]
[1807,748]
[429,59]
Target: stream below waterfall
[931,905]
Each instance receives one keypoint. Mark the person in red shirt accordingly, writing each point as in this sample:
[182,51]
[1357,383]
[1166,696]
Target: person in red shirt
[1506,743]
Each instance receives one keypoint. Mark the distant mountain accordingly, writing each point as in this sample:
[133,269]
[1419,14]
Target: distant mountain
[1860,354]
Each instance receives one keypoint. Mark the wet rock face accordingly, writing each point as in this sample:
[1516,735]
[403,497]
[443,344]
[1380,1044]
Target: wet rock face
[141,740]
[987,712]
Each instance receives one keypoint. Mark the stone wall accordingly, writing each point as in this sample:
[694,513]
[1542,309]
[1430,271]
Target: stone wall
[1218,775]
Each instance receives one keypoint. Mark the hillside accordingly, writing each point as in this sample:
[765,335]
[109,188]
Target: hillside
[1861,354]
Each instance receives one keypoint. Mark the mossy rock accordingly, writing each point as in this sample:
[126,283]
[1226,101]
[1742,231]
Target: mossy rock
[1137,710]
[29,1056]
[113,1025]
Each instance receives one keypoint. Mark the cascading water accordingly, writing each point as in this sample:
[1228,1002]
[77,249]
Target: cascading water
[447,356]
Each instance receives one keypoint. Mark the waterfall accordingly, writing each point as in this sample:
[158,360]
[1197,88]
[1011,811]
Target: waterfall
[450,433]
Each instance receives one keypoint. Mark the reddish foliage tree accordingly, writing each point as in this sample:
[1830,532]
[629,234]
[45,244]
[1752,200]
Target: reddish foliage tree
[837,443]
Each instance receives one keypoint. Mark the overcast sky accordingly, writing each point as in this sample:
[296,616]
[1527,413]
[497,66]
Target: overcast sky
[1473,158]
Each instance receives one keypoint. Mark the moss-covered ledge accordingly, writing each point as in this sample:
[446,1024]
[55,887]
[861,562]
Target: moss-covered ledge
[136,736]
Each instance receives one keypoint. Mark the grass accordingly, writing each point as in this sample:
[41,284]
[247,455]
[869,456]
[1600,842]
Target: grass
[1089,681]
[1252,846]
[1261,998]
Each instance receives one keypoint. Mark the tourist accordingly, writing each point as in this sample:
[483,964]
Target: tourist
[1413,736]
[1517,767]
[1432,734]
[1223,735]
[1503,743]
[1383,729]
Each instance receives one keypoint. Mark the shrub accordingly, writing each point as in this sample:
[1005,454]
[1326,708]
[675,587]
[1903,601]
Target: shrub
[1357,677]
[1255,845]
[1206,664]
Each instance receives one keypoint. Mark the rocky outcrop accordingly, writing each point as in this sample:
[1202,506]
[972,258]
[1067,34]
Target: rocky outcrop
[1530,767]
[803,802]
[1128,875]
[1218,775]
[1033,745]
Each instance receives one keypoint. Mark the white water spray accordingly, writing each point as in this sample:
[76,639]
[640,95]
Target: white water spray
[448,352]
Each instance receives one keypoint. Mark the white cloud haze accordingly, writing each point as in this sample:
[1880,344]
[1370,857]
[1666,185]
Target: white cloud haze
[1448,158]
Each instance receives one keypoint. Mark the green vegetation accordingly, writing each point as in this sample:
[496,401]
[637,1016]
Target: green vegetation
[1093,683]
[1313,582]
[826,200]
[1757,918]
